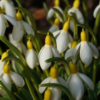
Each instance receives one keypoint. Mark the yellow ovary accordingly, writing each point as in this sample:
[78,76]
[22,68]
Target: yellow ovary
[57,3]
[54,72]
[48,94]
[4,55]
[29,44]
[57,21]
[7,69]
[73,44]
[76,4]
[83,36]
[19,16]
[48,40]
[66,26]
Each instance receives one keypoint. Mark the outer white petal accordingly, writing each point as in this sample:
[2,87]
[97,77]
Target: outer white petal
[76,87]
[94,50]
[28,28]
[55,52]
[71,10]
[31,58]
[56,33]
[86,80]
[54,28]
[68,80]
[62,81]
[62,41]
[6,80]
[45,54]
[9,9]
[2,92]
[50,14]
[6,23]
[96,11]
[1,4]
[2,26]
[17,79]
[85,53]
[2,64]
[41,51]
[18,32]
[1,73]
[47,80]
[70,40]
[72,25]
[23,48]
[11,20]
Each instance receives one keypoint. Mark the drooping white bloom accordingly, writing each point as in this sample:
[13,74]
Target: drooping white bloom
[31,55]
[56,92]
[79,16]
[75,82]
[23,27]
[9,76]
[8,8]
[47,51]
[63,38]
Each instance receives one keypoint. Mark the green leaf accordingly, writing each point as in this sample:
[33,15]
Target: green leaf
[97,88]
[18,95]
[63,88]
[53,38]
[2,98]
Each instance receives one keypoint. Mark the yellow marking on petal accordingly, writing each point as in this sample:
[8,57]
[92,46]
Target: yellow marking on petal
[66,26]
[29,44]
[57,2]
[7,69]
[4,55]
[48,40]
[73,44]
[76,4]
[54,72]
[83,36]
[48,94]
[19,16]
[0,10]
[73,68]
[57,21]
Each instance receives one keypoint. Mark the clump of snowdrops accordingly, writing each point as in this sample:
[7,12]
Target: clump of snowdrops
[64,68]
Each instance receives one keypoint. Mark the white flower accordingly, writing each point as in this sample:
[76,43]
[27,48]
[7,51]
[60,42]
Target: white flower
[4,23]
[31,55]
[75,85]
[96,11]
[77,12]
[47,51]
[55,27]
[86,49]
[23,27]
[63,38]
[8,8]
[56,92]
[9,76]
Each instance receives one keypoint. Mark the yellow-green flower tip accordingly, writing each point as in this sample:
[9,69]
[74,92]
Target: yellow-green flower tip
[74,43]
[73,68]
[4,55]
[7,69]
[29,44]
[66,26]
[0,10]
[48,40]
[57,2]
[57,21]
[48,94]
[76,4]
[19,16]
[54,72]
[83,36]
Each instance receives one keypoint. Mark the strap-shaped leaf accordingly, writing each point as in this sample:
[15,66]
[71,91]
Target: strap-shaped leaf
[19,95]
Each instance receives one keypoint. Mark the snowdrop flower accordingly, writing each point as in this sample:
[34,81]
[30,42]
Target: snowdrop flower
[77,12]
[9,76]
[51,12]
[69,52]
[47,51]
[8,8]
[4,23]
[63,38]
[74,82]
[31,55]
[86,49]
[55,27]
[56,92]
[23,27]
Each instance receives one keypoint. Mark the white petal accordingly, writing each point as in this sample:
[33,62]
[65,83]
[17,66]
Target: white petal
[96,11]
[6,80]
[46,53]
[56,33]
[85,53]
[28,28]
[6,23]
[47,80]
[72,25]
[11,20]
[1,4]
[41,51]
[1,73]
[23,48]
[86,80]
[71,10]
[18,32]
[55,52]
[2,26]
[9,9]
[17,79]
[54,28]
[50,14]
[76,87]
[70,40]
[68,80]
[2,92]
[2,64]
[62,81]
[31,58]
[94,50]
[62,41]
